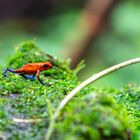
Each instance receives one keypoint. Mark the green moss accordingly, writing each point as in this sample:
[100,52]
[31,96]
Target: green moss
[91,116]
[129,97]
[95,117]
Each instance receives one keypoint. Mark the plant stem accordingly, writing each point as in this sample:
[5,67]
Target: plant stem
[82,85]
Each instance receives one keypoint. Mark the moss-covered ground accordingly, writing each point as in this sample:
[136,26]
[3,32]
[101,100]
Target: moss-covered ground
[94,114]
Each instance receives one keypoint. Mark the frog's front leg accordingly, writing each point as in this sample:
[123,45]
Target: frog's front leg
[37,75]
[10,70]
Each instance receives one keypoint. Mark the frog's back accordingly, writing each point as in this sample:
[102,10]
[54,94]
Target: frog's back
[31,68]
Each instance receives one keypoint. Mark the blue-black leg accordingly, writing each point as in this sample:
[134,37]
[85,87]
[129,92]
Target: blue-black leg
[33,77]
[8,69]
[40,80]
[30,77]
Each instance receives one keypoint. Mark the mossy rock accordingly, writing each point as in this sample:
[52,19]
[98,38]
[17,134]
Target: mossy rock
[85,117]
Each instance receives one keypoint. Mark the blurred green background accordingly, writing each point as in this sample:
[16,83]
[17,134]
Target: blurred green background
[102,32]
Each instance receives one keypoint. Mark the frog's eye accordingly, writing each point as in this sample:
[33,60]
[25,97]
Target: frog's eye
[46,66]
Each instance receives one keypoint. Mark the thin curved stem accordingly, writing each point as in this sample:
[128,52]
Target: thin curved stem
[90,80]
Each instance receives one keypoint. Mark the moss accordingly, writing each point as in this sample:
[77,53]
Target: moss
[87,116]
[129,97]
[96,117]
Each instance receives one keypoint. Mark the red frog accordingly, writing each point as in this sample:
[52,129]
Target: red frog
[30,70]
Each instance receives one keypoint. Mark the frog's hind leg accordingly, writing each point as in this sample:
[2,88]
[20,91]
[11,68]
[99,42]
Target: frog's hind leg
[30,77]
[8,70]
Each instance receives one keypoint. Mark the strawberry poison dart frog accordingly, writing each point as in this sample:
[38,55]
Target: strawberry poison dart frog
[30,70]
